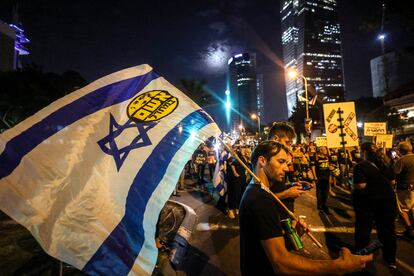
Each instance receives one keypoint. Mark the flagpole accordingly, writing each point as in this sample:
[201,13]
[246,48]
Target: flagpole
[292,215]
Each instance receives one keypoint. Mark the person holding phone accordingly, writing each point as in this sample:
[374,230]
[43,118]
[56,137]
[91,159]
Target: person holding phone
[262,245]
[374,202]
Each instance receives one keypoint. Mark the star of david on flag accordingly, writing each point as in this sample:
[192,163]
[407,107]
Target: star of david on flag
[89,174]
[109,145]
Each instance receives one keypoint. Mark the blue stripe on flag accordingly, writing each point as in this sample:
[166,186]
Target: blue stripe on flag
[118,252]
[94,101]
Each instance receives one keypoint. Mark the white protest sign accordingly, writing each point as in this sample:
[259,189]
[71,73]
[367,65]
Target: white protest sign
[334,114]
[373,129]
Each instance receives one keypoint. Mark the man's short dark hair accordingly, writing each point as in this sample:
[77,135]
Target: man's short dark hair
[267,149]
[281,129]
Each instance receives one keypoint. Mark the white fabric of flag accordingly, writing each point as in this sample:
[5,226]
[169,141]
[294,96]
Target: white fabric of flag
[89,174]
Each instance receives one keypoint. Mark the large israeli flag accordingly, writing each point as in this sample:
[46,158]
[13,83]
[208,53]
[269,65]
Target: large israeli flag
[89,174]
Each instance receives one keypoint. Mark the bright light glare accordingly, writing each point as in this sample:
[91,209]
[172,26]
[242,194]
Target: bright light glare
[381,36]
[217,147]
[253,116]
[359,124]
[228,105]
[240,126]
[227,92]
[192,134]
[293,74]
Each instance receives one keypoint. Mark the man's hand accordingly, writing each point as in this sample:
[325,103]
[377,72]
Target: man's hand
[351,263]
[293,192]
[300,226]
[305,183]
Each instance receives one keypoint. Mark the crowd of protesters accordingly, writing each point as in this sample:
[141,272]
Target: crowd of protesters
[381,181]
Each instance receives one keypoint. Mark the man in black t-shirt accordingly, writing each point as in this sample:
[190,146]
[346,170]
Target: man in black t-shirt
[262,246]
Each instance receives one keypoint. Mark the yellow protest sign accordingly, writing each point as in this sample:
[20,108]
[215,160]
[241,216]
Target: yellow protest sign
[334,114]
[382,139]
[320,141]
[374,129]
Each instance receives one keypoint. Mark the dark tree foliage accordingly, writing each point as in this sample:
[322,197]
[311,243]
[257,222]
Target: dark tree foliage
[299,114]
[22,93]
[370,109]
[197,91]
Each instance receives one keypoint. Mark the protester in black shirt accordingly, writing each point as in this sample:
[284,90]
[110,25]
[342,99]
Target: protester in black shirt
[322,170]
[199,162]
[236,183]
[374,201]
[262,246]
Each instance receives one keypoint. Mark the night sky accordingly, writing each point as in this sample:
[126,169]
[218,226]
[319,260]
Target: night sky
[189,39]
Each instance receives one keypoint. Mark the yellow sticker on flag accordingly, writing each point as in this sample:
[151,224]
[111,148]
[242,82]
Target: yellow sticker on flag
[152,106]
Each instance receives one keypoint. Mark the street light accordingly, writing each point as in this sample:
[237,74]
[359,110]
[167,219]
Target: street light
[254,116]
[382,37]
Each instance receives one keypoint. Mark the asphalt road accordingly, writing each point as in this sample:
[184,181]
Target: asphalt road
[214,244]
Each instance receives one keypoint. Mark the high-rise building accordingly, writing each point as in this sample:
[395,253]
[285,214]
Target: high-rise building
[7,38]
[312,46]
[391,71]
[242,81]
[260,95]
[12,46]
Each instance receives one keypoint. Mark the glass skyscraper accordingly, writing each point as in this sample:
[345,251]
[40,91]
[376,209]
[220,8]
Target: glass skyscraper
[243,86]
[312,46]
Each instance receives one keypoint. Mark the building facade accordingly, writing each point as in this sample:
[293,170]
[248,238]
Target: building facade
[312,47]
[7,40]
[260,95]
[391,71]
[243,88]
[12,46]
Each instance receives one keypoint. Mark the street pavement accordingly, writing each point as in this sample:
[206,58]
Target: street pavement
[213,247]
[214,244]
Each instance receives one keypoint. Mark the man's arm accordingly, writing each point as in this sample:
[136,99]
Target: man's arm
[284,262]
[398,166]
[292,192]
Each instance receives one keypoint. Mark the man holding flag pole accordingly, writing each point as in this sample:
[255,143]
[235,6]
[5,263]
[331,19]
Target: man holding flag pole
[262,246]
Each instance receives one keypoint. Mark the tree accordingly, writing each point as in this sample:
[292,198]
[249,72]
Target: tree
[299,114]
[370,109]
[25,92]
[196,90]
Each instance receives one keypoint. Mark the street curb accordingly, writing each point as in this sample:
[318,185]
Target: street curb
[181,239]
